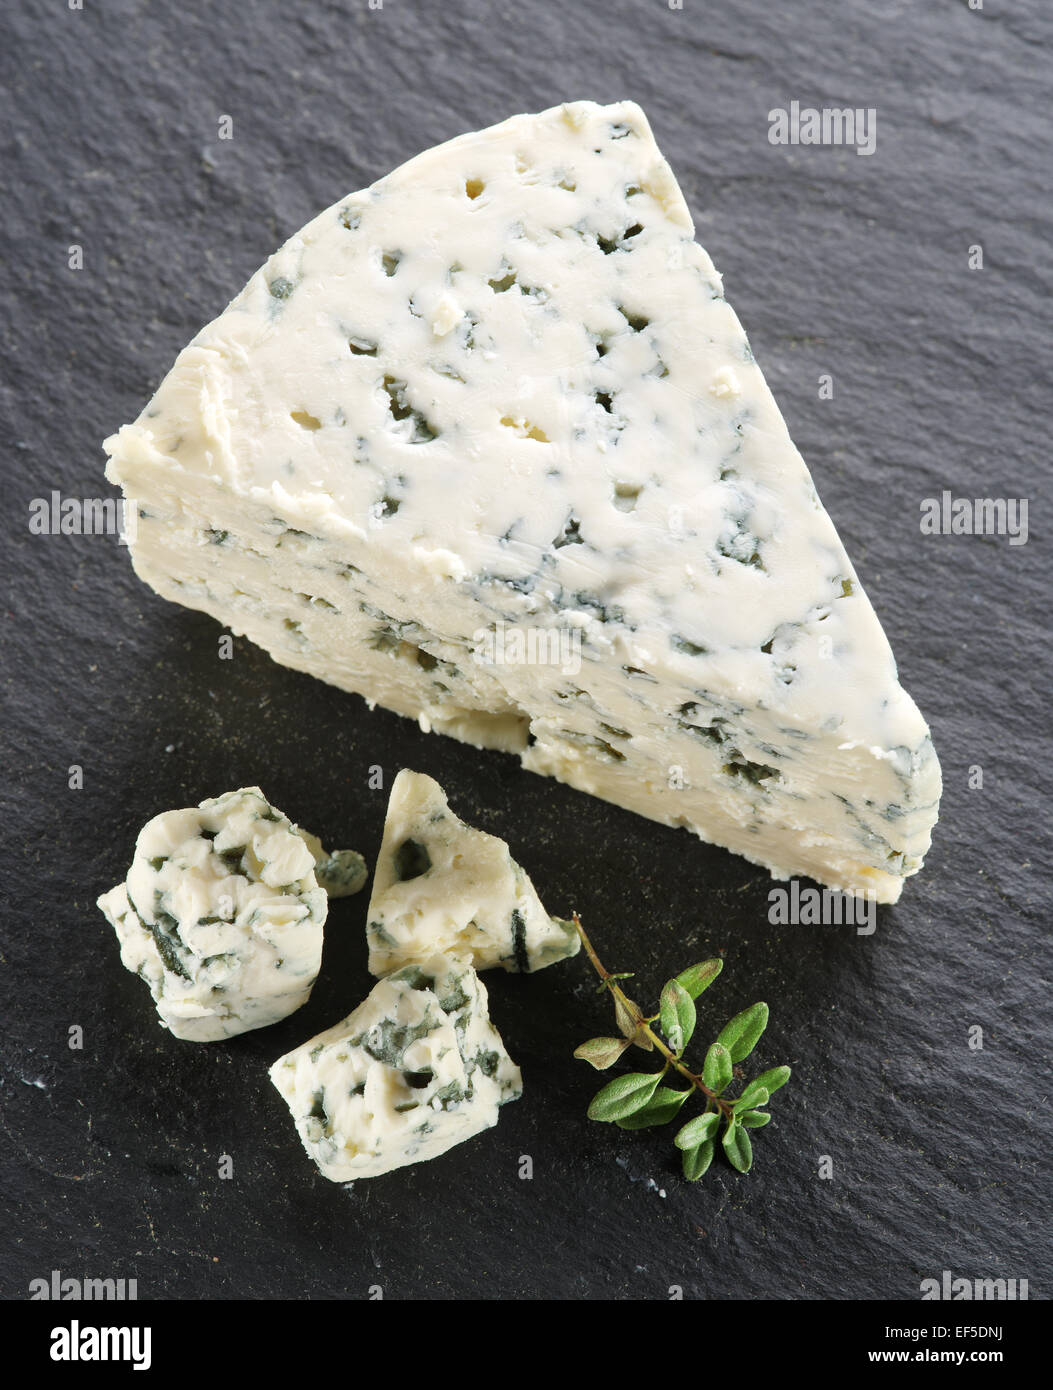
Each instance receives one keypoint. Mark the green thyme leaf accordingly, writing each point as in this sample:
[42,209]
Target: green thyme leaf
[663,1106]
[716,1072]
[677,1012]
[741,1035]
[696,1161]
[624,1095]
[773,1079]
[753,1119]
[696,978]
[737,1146]
[601,1053]
[752,1096]
[698,1130]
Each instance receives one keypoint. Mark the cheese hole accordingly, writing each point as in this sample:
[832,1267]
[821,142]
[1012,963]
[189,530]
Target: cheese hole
[610,244]
[746,771]
[625,495]
[390,261]
[473,187]
[444,369]
[422,432]
[525,429]
[508,732]
[411,860]
[306,421]
[569,184]
[361,348]
[570,535]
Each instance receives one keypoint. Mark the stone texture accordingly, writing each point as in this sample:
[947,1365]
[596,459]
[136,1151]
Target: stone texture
[837,263]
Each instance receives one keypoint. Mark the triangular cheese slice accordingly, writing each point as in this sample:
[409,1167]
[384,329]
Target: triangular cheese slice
[486,444]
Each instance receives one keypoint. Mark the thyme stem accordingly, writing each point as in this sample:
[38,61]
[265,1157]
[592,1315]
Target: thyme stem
[643,1025]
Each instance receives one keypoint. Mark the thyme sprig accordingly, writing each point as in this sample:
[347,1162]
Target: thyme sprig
[638,1100]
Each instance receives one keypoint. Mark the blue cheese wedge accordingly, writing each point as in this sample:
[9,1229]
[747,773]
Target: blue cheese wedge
[440,885]
[222,916]
[486,444]
[417,1068]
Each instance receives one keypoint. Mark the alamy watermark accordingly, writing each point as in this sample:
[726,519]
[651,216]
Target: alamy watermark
[947,515]
[505,645]
[822,907]
[950,1289]
[70,1288]
[77,1343]
[56,515]
[827,125]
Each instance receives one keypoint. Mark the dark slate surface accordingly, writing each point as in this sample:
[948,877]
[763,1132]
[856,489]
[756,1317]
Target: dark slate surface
[839,263]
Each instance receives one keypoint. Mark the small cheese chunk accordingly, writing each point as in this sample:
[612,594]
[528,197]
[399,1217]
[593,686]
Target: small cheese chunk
[417,1068]
[221,915]
[341,872]
[442,886]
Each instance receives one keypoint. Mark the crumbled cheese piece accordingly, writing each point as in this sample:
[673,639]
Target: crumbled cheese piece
[221,915]
[725,383]
[341,872]
[441,885]
[417,1068]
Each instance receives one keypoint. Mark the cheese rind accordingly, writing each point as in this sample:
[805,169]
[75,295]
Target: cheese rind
[440,885]
[500,395]
[417,1068]
[221,915]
